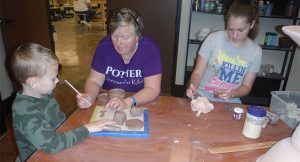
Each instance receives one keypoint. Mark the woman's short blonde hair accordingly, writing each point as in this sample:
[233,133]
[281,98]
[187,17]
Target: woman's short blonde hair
[126,16]
[31,60]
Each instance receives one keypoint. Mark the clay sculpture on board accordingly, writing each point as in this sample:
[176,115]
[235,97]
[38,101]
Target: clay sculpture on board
[134,124]
[136,111]
[120,117]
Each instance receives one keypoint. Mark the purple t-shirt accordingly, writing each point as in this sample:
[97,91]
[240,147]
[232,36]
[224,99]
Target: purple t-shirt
[144,63]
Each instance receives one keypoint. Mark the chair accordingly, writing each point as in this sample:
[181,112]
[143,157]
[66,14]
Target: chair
[102,11]
[78,19]
[100,16]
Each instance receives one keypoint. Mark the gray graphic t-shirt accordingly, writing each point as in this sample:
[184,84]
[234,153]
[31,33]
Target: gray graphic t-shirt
[227,65]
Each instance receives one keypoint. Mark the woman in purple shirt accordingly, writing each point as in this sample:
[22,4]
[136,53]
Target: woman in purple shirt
[125,59]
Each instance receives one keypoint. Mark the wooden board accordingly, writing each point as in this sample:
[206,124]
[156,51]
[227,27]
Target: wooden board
[246,147]
[125,132]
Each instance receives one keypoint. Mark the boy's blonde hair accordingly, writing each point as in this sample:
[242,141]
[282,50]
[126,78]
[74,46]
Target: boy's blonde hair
[31,60]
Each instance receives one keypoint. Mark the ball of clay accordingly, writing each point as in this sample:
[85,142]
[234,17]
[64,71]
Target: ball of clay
[116,93]
[201,105]
[120,117]
[103,99]
[135,111]
[112,128]
[134,124]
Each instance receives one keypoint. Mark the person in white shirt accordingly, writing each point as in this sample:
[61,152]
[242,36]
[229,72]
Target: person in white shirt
[84,6]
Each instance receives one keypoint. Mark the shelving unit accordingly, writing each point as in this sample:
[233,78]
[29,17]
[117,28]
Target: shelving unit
[263,85]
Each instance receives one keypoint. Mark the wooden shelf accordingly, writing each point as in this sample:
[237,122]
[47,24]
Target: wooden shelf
[271,17]
[277,48]
[194,41]
[276,76]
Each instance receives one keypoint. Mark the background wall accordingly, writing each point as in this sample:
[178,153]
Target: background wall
[182,42]
[5,84]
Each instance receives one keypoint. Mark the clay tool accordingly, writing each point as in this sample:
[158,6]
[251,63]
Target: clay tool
[245,147]
[78,92]
[194,96]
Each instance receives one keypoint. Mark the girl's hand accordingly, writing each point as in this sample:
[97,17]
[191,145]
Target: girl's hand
[191,92]
[223,94]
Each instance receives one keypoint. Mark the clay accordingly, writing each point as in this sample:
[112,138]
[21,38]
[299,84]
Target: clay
[103,99]
[201,105]
[135,111]
[134,124]
[120,117]
[102,113]
[116,93]
[112,128]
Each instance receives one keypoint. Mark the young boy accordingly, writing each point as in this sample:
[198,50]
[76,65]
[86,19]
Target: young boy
[36,113]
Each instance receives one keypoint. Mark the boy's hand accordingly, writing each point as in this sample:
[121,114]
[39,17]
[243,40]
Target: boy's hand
[99,125]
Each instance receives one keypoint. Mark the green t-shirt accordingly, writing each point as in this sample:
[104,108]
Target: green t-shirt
[35,121]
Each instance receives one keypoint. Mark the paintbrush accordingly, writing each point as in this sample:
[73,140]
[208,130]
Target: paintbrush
[78,92]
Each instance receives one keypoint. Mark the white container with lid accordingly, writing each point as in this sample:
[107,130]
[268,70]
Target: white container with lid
[254,121]
[237,113]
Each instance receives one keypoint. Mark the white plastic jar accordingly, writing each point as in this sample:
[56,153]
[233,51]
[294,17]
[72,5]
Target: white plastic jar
[254,121]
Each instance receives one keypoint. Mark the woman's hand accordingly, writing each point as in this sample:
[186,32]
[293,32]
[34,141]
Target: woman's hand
[99,125]
[117,103]
[84,101]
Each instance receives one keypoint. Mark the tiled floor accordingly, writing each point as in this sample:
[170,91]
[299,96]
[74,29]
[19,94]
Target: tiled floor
[75,50]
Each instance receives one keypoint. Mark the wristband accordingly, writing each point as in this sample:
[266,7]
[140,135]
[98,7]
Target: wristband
[133,101]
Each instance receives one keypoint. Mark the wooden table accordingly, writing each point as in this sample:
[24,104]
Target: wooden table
[176,134]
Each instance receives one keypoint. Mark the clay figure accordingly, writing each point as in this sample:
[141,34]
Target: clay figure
[136,111]
[201,105]
[120,117]
[134,124]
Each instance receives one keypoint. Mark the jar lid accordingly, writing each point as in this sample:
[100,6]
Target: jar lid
[238,110]
[257,111]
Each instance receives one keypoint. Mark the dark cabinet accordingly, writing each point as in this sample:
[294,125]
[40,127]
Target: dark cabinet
[2,118]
